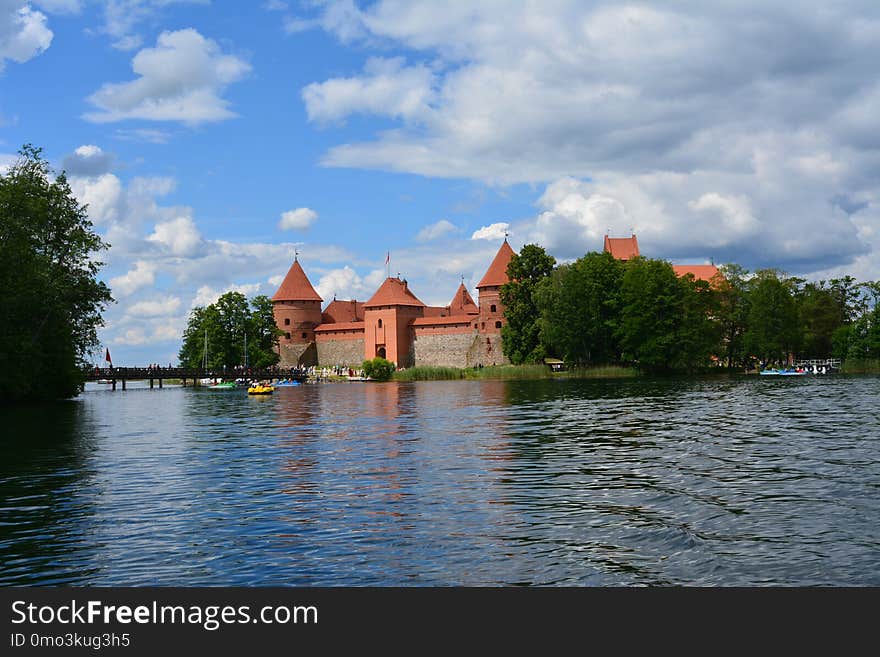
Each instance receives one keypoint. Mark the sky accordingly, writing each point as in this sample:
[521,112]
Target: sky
[212,139]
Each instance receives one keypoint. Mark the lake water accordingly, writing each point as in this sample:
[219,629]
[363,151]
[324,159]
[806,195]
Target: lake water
[717,481]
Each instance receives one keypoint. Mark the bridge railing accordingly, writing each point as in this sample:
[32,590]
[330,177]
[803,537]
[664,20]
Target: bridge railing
[143,373]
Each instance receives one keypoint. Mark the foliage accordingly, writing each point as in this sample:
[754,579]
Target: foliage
[52,301]
[222,329]
[774,331]
[378,369]
[665,321]
[579,308]
[521,331]
[511,372]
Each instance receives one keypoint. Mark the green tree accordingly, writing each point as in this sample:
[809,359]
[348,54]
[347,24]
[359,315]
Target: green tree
[665,322]
[264,333]
[521,332]
[579,308]
[774,329]
[378,369]
[51,300]
[733,312]
[222,330]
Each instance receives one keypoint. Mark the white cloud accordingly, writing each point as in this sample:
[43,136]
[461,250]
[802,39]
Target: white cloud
[298,219]
[436,231]
[103,195]
[387,88]
[765,156]
[160,307]
[87,160]
[178,236]
[59,6]
[206,295]
[144,135]
[491,232]
[121,18]
[143,275]
[346,283]
[181,79]
[23,32]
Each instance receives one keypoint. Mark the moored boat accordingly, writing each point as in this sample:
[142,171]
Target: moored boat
[226,385]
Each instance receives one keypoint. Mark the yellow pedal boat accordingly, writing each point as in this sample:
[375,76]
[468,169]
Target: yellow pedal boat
[258,389]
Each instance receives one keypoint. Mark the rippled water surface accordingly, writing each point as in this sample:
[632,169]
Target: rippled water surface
[741,481]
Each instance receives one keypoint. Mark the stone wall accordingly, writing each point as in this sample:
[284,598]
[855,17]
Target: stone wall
[294,354]
[448,349]
[486,350]
[340,352]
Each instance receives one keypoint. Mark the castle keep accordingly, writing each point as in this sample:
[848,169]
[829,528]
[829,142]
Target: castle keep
[396,325]
[393,324]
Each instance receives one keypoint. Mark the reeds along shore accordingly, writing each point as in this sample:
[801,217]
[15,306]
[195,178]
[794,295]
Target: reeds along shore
[861,366]
[510,372]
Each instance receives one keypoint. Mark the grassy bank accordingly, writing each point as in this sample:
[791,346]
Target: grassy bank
[511,372]
[861,366]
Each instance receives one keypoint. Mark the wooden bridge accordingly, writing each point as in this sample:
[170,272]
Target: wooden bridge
[184,374]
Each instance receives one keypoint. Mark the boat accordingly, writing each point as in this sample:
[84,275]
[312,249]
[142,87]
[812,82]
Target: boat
[258,389]
[282,383]
[786,372]
[104,381]
[226,385]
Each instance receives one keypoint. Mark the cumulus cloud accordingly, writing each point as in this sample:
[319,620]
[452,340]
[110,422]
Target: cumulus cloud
[388,87]
[436,231]
[87,160]
[122,17]
[178,236]
[346,283]
[298,219]
[747,132]
[181,79]
[206,295]
[142,275]
[160,307]
[491,232]
[24,33]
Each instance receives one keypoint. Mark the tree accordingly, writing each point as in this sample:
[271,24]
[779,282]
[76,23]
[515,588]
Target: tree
[665,322]
[378,369]
[579,307]
[521,332]
[733,312]
[222,330]
[774,329]
[52,301]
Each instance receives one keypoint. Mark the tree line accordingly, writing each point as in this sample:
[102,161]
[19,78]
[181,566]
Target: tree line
[51,301]
[231,332]
[598,310]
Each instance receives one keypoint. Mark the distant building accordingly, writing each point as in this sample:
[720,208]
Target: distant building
[624,248]
[393,323]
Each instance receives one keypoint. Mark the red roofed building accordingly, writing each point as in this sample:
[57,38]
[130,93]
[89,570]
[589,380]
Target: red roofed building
[622,248]
[297,310]
[393,324]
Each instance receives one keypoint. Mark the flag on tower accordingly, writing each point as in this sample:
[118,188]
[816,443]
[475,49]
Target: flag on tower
[388,257]
[107,357]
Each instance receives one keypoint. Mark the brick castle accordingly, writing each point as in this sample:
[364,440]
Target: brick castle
[396,325]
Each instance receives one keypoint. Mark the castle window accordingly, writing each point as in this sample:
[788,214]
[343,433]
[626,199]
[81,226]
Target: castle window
[492,308]
[497,324]
[380,323]
[287,321]
[305,335]
[287,335]
[484,324]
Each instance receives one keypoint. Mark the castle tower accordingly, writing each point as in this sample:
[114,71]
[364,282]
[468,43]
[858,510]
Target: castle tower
[622,248]
[297,310]
[487,349]
[463,303]
[489,288]
[387,319]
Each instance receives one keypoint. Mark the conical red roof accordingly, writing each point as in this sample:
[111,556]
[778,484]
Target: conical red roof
[496,275]
[463,303]
[296,286]
[393,292]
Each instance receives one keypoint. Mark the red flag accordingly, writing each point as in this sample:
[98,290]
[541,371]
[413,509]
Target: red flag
[107,357]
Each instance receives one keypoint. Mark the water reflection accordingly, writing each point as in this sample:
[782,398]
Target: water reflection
[715,481]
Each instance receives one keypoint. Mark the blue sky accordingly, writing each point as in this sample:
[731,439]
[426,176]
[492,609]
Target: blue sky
[211,139]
